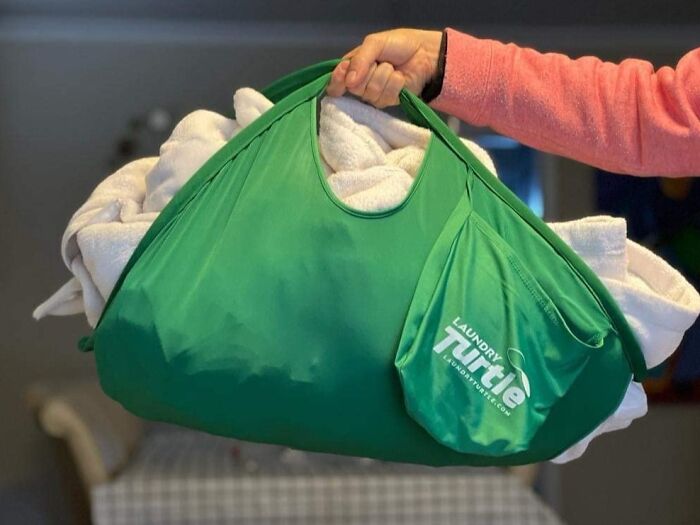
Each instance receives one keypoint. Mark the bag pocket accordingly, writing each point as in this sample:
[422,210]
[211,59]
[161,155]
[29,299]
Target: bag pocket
[485,353]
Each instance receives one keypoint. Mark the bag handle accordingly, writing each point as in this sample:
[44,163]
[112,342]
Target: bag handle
[318,75]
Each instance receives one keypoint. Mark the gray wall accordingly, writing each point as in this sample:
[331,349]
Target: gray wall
[394,13]
[646,474]
[69,85]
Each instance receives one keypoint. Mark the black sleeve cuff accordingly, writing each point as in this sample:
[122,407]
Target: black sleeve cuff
[432,89]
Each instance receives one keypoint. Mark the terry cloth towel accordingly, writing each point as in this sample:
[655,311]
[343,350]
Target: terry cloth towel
[196,138]
[370,159]
[657,301]
[100,238]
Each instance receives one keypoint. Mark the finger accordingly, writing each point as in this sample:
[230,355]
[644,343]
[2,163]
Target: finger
[390,95]
[336,86]
[351,52]
[377,82]
[359,89]
[363,58]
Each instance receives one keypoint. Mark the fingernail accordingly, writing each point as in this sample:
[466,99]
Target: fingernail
[352,76]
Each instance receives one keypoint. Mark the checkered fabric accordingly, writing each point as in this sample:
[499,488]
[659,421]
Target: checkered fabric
[185,477]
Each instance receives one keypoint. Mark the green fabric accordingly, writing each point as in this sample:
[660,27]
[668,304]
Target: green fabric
[261,307]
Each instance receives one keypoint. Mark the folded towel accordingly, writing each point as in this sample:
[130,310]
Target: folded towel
[600,240]
[659,304]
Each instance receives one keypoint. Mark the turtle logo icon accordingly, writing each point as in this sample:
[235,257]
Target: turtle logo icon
[517,361]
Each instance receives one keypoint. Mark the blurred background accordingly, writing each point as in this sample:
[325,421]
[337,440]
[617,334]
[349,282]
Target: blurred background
[86,85]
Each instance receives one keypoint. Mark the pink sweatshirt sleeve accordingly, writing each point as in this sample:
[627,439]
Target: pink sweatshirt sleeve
[624,118]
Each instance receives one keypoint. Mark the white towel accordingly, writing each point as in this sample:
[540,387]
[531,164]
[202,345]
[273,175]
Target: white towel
[196,138]
[370,159]
[100,238]
[659,304]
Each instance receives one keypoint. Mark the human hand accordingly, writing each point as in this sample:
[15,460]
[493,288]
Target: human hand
[384,63]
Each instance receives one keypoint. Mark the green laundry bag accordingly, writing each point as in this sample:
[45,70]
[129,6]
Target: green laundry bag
[259,306]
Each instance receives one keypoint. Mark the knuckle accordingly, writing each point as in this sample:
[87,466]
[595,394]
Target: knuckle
[357,91]
[373,90]
[387,99]
[369,100]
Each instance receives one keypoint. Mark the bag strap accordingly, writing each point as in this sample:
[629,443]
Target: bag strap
[287,84]
[314,78]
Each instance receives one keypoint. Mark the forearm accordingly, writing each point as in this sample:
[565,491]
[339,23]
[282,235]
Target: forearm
[624,118]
